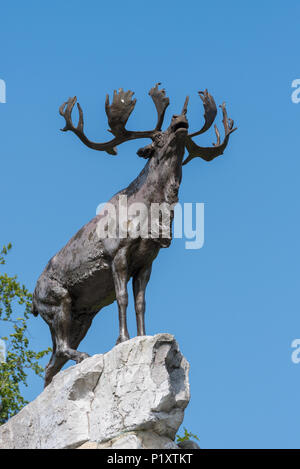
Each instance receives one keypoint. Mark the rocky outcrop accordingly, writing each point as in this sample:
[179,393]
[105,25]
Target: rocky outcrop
[134,396]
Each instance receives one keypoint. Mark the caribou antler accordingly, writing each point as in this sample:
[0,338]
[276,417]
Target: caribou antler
[161,102]
[119,111]
[118,114]
[210,111]
[209,153]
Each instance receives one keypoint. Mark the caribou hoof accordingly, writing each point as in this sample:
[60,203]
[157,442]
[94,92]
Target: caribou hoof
[122,338]
[82,356]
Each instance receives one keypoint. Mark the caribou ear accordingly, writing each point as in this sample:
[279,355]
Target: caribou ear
[146,152]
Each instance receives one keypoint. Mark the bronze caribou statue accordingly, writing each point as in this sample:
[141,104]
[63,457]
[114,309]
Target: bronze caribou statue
[89,272]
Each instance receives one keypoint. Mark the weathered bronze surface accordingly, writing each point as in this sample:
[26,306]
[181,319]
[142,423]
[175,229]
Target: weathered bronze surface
[91,272]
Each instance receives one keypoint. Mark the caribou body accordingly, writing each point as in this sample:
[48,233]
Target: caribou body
[92,271]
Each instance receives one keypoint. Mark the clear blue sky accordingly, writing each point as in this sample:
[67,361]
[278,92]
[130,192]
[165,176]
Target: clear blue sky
[233,305]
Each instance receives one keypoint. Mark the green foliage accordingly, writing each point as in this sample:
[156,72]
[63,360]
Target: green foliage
[3,253]
[19,356]
[186,436]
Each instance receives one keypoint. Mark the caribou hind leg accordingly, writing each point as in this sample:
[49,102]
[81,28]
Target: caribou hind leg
[53,302]
[62,328]
[55,364]
[58,359]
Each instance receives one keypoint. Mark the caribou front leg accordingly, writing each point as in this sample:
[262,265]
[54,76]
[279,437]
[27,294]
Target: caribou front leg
[120,276]
[140,281]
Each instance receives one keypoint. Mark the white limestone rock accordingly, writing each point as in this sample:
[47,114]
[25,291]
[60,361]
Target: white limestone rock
[134,440]
[134,396]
